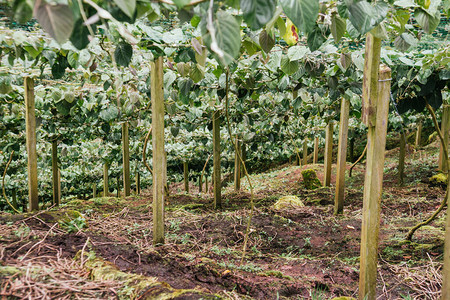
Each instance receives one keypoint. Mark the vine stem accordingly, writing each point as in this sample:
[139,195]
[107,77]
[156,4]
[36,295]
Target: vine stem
[144,150]
[203,171]
[252,206]
[3,184]
[447,192]
[358,160]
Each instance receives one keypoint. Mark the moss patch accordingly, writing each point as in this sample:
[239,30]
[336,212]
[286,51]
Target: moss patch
[310,180]
[288,202]
[439,179]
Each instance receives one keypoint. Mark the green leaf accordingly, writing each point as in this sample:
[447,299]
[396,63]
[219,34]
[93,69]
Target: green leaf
[228,38]
[365,17]
[56,19]
[257,12]
[174,130]
[303,13]
[287,66]
[123,54]
[281,26]
[315,39]
[297,52]
[127,6]
[181,3]
[196,73]
[23,10]
[297,103]
[109,113]
[338,27]
[427,21]
[404,41]
[72,58]
[266,41]
[80,35]
[64,107]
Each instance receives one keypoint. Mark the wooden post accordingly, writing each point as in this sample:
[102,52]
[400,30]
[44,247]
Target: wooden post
[55,172]
[166,184]
[444,129]
[244,158]
[401,158]
[59,186]
[316,150]
[376,141]
[305,152]
[118,186]
[206,184]
[418,135]
[237,165]
[157,95]
[105,180]
[216,160]
[186,176]
[138,183]
[30,119]
[342,157]
[200,183]
[126,160]
[446,266]
[328,154]
[94,190]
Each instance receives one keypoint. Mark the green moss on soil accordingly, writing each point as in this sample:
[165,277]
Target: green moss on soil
[310,180]
[288,202]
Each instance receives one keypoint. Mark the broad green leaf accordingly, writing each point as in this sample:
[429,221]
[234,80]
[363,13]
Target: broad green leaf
[346,60]
[257,12]
[181,3]
[282,26]
[297,103]
[196,72]
[405,3]
[110,113]
[428,22]
[338,27]
[404,41]
[228,38]
[250,47]
[365,17]
[23,10]
[64,107]
[56,19]
[127,6]
[402,16]
[174,130]
[315,39]
[80,35]
[287,66]
[266,41]
[303,13]
[290,36]
[123,54]
[297,52]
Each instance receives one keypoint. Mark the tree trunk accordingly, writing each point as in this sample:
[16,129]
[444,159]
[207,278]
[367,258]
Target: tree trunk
[55,172]
[105,180]
[126,160]
[444,129]
[418,134]
[316,150]
[305,152]
[328,154]
[186,177]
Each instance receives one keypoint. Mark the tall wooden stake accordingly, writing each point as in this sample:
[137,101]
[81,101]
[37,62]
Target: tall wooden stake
[401,158]
[94,190]
[328,154]
[200,183]
[237,166]
[30,118]
[305,152]
[446,266]
[105,180]
[186,176]
[216,160]
[126,160]
[157,94]
[444,129]
[316,150]
[59,186]
[342,157]
[55,172]
[373,184]
[418,135]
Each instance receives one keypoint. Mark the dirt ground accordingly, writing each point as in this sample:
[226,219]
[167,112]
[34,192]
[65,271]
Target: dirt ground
[295,253]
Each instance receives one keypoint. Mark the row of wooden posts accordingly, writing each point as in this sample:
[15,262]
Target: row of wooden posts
[376,92]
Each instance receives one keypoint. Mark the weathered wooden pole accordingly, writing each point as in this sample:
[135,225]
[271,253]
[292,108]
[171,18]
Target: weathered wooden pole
[59,186]
[55,172]
[118,187]
[216,160]
[342,158]
[105,180]
[373,184]
[444,129]
[305,152]
[138,183]
[30,119]
[418,134]
[237,165]
[200,183]
[126,160]
[446,266]
[328,154]
[316,150]
[94,190]
[186,176]
[401,158]
[166,184]
[157,95]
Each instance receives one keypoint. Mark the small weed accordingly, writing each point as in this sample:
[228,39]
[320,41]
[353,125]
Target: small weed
[75,225]
[221,251]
